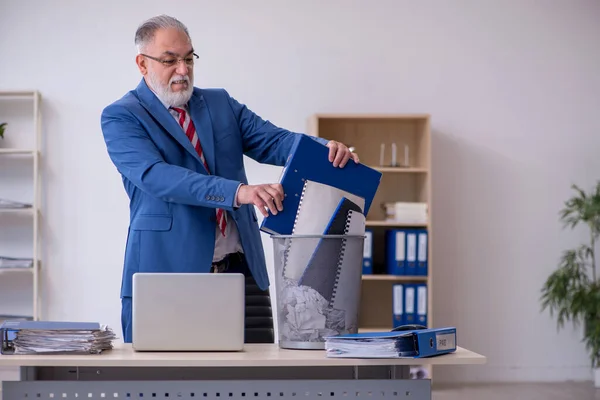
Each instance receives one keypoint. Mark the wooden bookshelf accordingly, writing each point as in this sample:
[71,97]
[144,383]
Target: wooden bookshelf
[401,182]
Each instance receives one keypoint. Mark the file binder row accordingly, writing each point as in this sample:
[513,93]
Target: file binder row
[406,252]
[409,304]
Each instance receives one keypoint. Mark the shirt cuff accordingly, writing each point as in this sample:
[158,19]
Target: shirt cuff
[235,202]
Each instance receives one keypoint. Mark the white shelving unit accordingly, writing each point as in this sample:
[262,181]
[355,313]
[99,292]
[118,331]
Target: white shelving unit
[33,213]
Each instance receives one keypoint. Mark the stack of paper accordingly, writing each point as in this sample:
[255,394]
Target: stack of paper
[362,348]
[406,212]
[45,337]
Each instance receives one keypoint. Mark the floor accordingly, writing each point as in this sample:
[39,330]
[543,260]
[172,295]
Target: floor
[518,391]
[515,391]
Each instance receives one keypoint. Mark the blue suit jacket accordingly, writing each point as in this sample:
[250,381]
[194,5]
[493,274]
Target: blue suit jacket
[172,196]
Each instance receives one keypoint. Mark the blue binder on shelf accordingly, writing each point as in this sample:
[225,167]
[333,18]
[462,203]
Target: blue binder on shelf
[368,253]
[421,304]
[309,160]
[422,252]
[395,248]
[419,343]
[398,305]
[411,252]
[410,300]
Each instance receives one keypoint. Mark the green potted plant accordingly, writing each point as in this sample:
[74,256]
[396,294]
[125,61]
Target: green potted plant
[572,291]
[2,127]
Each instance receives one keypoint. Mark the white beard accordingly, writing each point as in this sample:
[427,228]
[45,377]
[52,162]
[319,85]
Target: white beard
[166,95]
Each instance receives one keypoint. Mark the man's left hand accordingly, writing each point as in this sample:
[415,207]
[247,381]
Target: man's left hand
[339,154]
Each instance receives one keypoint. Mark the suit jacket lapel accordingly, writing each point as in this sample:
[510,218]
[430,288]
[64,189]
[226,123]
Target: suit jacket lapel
[202,122]
[151,103]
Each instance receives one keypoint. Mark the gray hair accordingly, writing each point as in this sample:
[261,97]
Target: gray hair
[145,32]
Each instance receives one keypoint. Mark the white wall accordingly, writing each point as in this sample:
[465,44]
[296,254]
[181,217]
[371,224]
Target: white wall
[513,89]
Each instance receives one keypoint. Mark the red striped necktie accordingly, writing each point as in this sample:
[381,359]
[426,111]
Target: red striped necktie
[190,131]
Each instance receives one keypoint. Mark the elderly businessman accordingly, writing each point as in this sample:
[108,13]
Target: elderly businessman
[179,151]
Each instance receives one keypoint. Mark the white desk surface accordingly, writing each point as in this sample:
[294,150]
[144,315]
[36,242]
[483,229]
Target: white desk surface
[253,355]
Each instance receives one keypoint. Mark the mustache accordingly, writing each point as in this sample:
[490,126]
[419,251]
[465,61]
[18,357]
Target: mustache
[180,78]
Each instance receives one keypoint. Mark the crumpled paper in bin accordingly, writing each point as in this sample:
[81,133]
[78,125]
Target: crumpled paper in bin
[305,314]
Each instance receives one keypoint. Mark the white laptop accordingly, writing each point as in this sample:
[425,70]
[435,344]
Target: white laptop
[188,312]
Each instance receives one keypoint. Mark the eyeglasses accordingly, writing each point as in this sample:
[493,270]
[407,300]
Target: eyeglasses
[171,61]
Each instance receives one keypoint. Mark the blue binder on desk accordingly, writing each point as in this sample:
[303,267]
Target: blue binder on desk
[309,160]
[418,343]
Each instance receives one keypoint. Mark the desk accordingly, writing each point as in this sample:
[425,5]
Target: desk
[261,371]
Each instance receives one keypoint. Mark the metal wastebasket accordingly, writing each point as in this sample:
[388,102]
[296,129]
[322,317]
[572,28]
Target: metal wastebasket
[317,285]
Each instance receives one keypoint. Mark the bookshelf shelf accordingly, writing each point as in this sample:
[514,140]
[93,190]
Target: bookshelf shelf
[19,317]
[370,117]
[17,151]
[23,269]
[374,329]
[394,278]
[394,224]
[399,170]
[19,94]
[20,211]
[16,269]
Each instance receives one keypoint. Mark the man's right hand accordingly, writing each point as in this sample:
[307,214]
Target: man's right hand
[267,197]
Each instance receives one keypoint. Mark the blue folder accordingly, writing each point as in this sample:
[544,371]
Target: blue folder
[309,160]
